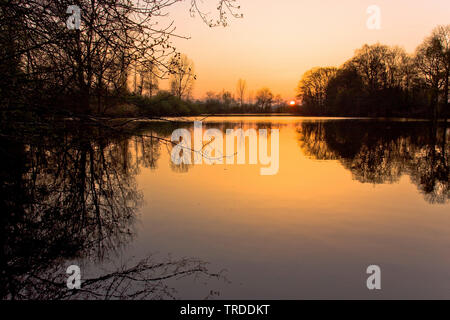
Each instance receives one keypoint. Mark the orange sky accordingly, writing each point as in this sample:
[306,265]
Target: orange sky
[277,41]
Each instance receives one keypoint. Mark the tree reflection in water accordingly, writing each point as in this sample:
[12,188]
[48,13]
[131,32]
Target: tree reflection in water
[381,152]
[70,194]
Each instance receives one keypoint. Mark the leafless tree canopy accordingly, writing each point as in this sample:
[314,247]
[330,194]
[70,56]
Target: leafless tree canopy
[381,80]
[312,87]
[40,54]
[264,98]
[241,90]
[182,76]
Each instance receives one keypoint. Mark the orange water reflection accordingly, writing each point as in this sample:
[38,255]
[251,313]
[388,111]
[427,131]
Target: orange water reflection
[349,193]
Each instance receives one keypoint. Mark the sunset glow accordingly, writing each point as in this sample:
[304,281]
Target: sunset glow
[277,41]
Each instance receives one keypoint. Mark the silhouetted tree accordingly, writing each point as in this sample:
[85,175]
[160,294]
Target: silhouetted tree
[182,76]
[381,80]
[241,89]
[312,87]
[344,92]
[433,63]
[92,63]
[264,98]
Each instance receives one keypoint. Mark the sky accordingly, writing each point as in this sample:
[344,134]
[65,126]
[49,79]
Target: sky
[278,40]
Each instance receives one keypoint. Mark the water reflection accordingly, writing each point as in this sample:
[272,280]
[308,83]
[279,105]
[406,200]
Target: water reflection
[214,148]
[381,152]
[377,152]
[70,194]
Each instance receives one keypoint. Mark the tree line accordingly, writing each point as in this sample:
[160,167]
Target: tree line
[178,100]
[46,65]
[111,65]
[381,80]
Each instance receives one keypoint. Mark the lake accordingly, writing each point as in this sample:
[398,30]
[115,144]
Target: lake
[348,193]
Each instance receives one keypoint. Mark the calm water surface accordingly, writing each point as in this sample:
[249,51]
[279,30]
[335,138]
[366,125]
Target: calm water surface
[348,194]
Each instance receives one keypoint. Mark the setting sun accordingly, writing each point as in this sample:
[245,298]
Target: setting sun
[292,103]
